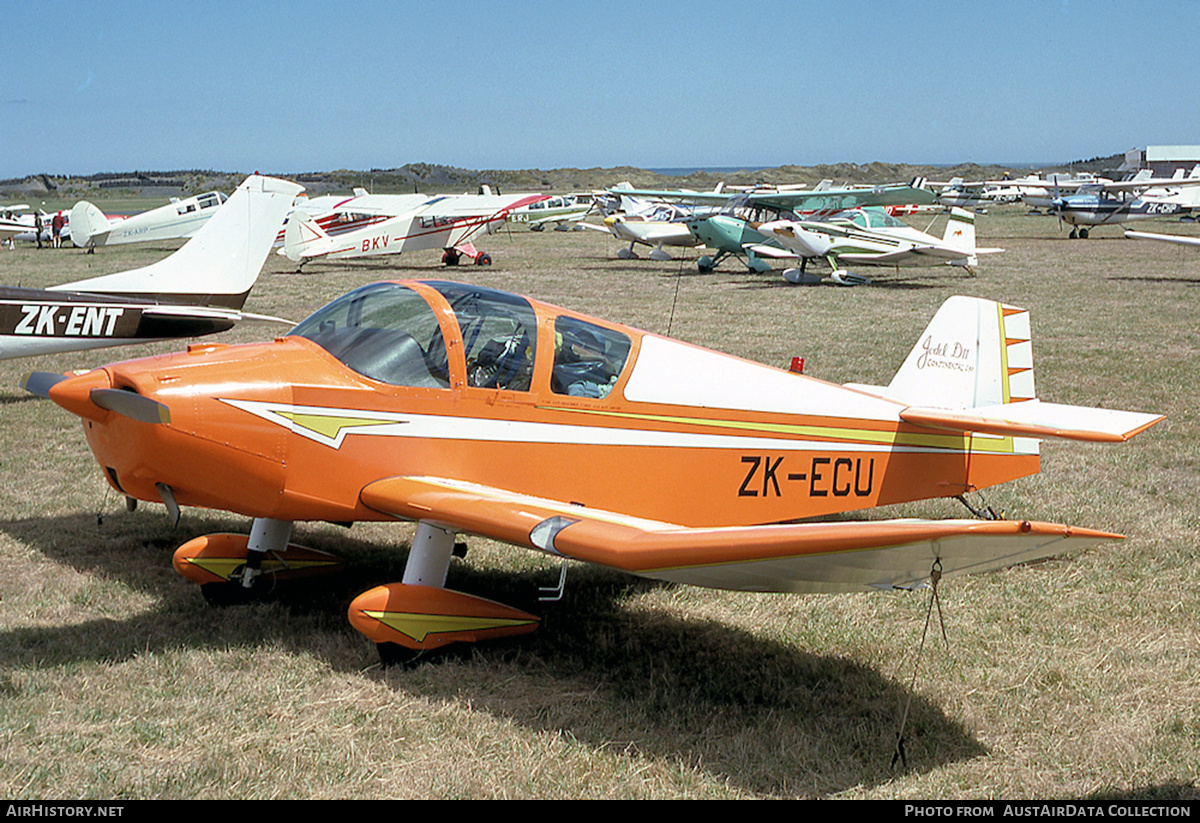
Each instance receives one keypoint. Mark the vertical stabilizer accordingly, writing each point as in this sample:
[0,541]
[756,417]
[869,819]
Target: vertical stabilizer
[960,231]
[303,238]
[973,353]
[219,265]
[89,226]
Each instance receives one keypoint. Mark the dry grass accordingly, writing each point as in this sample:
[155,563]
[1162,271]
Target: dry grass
[1075,677]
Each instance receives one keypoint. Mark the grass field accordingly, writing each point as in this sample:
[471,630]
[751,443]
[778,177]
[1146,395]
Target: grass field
[1077,677]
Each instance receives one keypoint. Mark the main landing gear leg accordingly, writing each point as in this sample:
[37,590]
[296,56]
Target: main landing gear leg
[266,535]
[429,559]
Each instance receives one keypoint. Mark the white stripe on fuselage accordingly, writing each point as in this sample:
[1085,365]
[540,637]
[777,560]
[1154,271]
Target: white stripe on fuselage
[445,427]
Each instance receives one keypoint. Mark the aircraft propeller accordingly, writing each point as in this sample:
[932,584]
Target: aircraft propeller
[40,382]
[119,401]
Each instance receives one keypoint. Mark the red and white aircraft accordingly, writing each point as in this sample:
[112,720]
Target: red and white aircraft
[370,225]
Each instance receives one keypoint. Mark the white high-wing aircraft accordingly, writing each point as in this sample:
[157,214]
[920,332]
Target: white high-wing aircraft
[13,221]
[416,221]
[179,218]
[199,289]
[871,237]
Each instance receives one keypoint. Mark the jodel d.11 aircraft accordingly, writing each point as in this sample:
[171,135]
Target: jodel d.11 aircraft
[199,289]
[470,410]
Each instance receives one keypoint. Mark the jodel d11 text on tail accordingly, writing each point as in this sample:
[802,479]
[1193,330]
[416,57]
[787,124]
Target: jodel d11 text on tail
[469,410]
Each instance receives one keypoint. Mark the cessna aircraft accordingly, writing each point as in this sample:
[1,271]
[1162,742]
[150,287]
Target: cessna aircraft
[179,218]
[447,222]
[1140,198]
[471,410]
[199,289]
[871,237]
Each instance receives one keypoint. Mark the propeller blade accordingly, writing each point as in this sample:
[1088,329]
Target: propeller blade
[40,382]
[131,405]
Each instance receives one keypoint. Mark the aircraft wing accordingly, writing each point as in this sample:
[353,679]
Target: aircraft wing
[810,200]
[794,557]
[1164,238]
[1033,418]
[771,252]
[848,198]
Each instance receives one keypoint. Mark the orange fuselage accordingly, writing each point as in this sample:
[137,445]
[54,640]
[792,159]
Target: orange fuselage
[285,430]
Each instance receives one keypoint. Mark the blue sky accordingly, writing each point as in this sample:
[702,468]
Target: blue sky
[300,86]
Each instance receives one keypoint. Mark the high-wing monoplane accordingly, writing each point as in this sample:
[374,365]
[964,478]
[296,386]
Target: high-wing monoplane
[181,218]
[469,410]
[871,237]
[732,230]
[1140,198]
[200,289]
[449,222]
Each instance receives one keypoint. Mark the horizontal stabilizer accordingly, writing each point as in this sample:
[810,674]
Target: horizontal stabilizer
[793,557]
[164,310]
[1034,418]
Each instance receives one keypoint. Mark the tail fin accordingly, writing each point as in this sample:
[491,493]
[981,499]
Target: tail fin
[960,231]
[303,238]
[973,353]
[89,226]
[972,371]
[220,263]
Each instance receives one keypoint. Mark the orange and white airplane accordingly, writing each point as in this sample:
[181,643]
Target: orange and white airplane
[471,410]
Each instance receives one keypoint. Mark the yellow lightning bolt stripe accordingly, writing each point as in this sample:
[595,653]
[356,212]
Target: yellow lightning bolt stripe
[330,425]
[419,626]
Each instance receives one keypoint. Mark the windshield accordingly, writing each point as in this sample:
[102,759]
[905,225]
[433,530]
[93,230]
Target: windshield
[499,332]
[384,331]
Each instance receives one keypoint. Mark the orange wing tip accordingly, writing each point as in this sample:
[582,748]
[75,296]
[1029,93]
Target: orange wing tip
[423,617]
[215,558]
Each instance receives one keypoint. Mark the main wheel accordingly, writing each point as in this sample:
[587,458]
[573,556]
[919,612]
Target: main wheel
[450,257]
[484,259]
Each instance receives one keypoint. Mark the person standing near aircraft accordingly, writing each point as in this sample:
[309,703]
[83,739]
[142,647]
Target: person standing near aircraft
[57,223]
[37,228]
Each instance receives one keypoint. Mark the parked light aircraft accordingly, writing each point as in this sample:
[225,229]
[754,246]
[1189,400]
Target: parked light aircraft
[657,228]
[447,222]
[178,219]
[1140,198]
[734,230]
[12,222]
[199,289]
[471,410]
[564,211]
[871,237]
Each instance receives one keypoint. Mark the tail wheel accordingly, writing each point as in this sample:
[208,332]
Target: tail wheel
[484,259]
